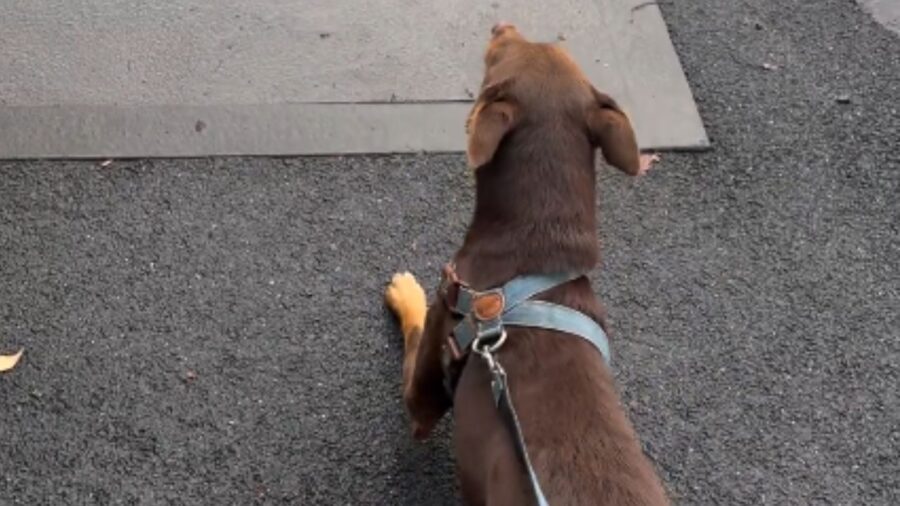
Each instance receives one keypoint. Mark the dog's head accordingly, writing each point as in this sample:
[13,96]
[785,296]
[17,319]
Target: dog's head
[538,85]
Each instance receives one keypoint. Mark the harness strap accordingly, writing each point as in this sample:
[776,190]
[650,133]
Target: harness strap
[518,311]
[550,316]
[486,313]
[515,292]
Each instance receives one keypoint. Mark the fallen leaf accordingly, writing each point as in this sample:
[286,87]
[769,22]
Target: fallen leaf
[7,362]
[647,161]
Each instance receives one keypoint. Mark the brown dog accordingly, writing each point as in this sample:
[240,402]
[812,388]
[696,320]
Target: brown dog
[532,135]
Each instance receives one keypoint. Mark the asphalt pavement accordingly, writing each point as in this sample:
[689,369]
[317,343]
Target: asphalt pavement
[210,331]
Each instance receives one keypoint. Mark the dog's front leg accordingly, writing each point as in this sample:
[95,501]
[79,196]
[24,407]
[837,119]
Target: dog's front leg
[423,391]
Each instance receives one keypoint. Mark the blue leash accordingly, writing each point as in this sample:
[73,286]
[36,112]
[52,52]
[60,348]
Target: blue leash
[503,401]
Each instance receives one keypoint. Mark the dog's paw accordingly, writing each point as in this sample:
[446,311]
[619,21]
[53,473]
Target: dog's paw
[406,298]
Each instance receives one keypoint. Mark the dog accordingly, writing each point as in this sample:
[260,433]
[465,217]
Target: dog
[532,136]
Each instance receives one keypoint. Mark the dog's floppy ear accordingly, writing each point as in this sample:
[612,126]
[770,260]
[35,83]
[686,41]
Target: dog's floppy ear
[610,130]
[492,117]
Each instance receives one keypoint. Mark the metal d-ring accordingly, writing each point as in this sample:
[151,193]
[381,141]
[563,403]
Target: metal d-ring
[488,349]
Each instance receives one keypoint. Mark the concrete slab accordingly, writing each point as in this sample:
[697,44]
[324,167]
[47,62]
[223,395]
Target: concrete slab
[264,129]
[120,78]
[886,12]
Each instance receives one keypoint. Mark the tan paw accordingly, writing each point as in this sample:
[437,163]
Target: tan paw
[406,298]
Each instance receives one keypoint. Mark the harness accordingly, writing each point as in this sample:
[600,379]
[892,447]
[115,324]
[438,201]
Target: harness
[485,316]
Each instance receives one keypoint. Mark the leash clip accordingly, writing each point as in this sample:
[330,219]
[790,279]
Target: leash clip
[498,374]
[487,350]
[480,346]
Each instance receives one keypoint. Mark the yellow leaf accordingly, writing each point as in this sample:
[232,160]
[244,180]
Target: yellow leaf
[7,362]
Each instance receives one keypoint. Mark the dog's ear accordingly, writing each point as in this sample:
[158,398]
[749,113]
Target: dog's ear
[492,117]
[610,130]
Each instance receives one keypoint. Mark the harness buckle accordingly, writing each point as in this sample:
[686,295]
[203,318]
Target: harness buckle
[452,348]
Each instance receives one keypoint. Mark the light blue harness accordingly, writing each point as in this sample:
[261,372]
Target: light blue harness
[486,314]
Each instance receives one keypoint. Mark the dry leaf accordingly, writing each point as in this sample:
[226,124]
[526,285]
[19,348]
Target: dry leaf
[647,161]
[7,362]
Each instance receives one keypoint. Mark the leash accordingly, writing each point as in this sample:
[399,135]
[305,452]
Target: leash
[485,314]
[503,401]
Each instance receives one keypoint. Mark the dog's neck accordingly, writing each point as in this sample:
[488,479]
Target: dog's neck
[534,212]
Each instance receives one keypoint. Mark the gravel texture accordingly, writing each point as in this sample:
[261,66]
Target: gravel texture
[211,331]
